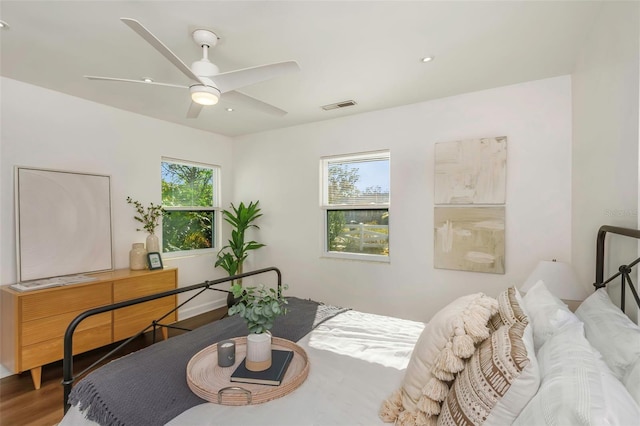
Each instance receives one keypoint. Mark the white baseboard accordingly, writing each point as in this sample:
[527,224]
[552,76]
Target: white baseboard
[4,372]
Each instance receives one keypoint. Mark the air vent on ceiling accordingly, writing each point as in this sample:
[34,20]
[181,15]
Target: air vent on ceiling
[337,105]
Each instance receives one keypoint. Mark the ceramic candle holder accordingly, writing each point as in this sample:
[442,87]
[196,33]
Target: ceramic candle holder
[226,353]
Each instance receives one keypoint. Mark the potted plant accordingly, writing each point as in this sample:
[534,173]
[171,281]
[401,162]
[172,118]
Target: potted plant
[231,257]
[259,306]
[149,217]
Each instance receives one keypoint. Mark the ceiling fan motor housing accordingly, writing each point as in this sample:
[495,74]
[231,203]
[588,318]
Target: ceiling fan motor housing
[204,68]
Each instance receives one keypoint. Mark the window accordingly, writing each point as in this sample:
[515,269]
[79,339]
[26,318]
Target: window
[190,197]
[355,206]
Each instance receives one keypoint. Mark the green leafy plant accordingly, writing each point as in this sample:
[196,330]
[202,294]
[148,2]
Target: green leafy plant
[259,306]
[231,257]
[148,216]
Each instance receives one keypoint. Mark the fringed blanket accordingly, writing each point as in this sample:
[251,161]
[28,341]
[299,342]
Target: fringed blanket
[149,387]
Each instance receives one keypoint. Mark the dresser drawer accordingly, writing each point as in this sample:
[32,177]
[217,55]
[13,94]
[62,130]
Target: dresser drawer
[44,329]
[62,300]
[132,288]
[52,350]
[129,321]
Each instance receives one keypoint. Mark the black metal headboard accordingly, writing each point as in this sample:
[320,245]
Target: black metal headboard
[624,271]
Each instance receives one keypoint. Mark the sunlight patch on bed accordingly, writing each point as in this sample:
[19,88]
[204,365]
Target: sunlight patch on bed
[373,338]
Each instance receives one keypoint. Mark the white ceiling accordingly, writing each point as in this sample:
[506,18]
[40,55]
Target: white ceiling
[347,50]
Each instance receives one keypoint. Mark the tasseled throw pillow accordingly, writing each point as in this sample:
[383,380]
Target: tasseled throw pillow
[510,310]
[497,382]
[447,340]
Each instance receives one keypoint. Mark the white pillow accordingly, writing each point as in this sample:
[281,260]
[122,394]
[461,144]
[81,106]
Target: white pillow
[546,312]
[610,331]
[631,381]
[577,387]
[447,339]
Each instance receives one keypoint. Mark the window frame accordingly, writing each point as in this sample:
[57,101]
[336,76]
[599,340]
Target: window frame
[325,207]
[215,208]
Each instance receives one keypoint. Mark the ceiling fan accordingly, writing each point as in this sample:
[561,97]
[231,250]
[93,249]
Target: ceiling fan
[208,84]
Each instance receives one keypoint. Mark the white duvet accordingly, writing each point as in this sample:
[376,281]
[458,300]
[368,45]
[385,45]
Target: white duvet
[357,361]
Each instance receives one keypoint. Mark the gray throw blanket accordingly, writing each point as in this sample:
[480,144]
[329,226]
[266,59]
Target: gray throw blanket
[149,387]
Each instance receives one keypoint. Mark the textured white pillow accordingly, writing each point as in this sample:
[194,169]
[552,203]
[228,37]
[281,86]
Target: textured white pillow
[631,381]
[577,387]
[447,339]
[610,331]
[546,312]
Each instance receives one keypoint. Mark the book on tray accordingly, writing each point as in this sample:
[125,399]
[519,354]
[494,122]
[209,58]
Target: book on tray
[273,375]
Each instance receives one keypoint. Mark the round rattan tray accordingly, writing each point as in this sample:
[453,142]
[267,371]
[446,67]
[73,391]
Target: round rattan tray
[211,382]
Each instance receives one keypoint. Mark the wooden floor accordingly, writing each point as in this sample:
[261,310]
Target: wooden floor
[22,405]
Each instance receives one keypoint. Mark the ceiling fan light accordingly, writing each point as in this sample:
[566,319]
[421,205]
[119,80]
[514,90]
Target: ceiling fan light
[204,95]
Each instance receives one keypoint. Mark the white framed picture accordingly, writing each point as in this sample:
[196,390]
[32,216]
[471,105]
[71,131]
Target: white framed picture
[472,171]
[470,238]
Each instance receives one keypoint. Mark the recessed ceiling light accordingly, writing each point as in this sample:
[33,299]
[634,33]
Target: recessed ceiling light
[4,25]
[147,79]
[229,109]
[427,59]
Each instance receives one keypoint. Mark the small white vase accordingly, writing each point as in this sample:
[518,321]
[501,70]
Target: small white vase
[153,243]
[137,257]
[258,351]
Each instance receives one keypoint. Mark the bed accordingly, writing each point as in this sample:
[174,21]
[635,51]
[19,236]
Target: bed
[522,359]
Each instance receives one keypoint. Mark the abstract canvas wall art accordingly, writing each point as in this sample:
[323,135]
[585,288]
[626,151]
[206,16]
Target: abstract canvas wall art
[470,238]
[471,171]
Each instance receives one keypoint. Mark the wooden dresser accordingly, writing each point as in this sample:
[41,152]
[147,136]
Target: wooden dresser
[34,322]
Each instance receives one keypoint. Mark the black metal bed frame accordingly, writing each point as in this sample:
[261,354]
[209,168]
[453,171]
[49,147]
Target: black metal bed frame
[67,361]
[624,271]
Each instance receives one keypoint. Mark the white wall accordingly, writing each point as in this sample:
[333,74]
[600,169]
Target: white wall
[605,136]
[42,128]
[281,169]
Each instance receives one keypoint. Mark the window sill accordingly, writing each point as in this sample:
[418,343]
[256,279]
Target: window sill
[174,255]
[356,256]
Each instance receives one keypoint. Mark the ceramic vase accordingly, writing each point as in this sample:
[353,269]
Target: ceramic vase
[137,257]
[153,244]
[258,351]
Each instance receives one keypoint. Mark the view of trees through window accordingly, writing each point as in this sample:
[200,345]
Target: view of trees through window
[361,183]
[188,199]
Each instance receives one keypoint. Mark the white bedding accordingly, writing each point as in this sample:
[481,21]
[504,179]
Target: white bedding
[357,360]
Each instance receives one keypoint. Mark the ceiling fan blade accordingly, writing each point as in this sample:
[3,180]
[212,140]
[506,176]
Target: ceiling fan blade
[160,47]
[126,80]
[194,110]
[239,97]
[232,80]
